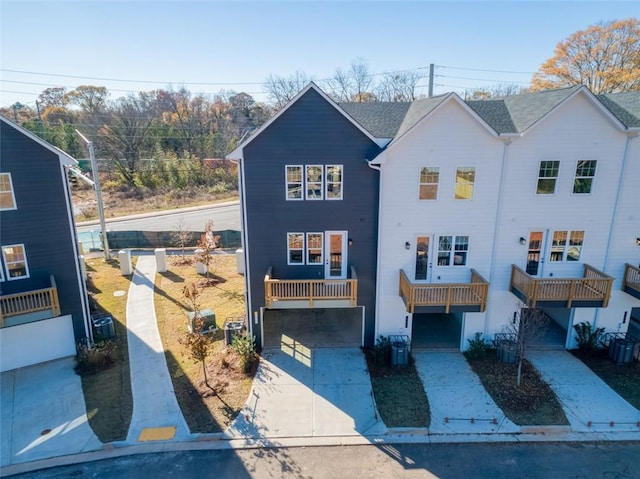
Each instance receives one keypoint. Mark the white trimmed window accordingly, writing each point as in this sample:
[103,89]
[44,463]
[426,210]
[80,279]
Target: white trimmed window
[295,248]
[294,182]
[429,178]
[547,177]
[465,179]
[7,197]
[585,172]
[334,182]
[315,183]
[15,261]
[314,248]
[453,250]
[566,245]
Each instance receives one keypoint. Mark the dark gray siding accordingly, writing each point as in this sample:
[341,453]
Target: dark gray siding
[41,222]
[311,131]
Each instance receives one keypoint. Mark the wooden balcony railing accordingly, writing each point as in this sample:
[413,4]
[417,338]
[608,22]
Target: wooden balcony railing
[592,290]
[631,281]
[447,295]
[30,302]
[310,289]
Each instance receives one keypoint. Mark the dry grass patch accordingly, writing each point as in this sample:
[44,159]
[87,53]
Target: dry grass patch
[204,410]
[107,393]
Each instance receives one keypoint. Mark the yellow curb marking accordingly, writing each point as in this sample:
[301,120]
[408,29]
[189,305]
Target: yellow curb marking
[157,434]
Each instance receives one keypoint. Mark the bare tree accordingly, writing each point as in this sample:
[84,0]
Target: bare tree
[352,84]
[281,90]
[181,235]
[527,325]
[399,86]
[495,91]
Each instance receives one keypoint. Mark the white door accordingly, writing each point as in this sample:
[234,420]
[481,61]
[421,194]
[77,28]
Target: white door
[424,258]
[536,247]
[335,262]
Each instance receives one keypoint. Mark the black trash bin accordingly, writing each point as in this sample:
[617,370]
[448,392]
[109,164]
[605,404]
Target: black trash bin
[399,350]
[231,329]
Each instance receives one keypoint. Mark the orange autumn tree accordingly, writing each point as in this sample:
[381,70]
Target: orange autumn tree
[605,57]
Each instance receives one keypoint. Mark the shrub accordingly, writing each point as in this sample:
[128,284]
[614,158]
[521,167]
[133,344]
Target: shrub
[588,338]
[477,347]
[244,346]
[93,360]
[382,351]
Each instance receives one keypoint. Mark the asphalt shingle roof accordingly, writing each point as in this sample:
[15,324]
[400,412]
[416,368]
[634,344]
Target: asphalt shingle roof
[625,106]
[381,119]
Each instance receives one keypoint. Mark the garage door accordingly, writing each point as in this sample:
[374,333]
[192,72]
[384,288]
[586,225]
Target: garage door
[313,328]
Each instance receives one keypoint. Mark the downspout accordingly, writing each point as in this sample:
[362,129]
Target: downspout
[377,310]
[496,231]
[625,156]
[245,249]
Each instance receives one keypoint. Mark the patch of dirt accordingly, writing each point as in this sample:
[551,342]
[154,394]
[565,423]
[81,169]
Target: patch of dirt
[531,403]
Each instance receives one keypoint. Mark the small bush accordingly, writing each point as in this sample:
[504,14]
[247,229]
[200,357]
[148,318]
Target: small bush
[382,351]
[478,347]
[93,360]
[588,338]
[244,346]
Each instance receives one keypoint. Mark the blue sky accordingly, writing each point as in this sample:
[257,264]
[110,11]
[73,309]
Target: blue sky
[212,45]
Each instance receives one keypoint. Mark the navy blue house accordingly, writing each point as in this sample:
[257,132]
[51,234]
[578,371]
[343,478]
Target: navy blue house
[44,308]
[310,225]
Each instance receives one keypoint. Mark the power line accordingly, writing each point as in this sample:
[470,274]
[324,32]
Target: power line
[488,71]
[482,79]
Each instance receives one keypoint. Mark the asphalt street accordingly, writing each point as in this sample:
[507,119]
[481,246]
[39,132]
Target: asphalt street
[441,461]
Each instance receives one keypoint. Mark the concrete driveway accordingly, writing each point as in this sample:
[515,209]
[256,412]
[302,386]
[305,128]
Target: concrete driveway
[301,392]
[43,413]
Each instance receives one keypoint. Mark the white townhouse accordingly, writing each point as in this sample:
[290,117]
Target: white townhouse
[489,205]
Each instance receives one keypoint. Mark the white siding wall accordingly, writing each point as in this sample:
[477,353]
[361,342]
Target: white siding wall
[452,137]
[37,342]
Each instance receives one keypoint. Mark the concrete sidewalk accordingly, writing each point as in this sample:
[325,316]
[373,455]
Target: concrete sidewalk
[458,402]
[155,408]
[304,393]
[589,403]
[43,413]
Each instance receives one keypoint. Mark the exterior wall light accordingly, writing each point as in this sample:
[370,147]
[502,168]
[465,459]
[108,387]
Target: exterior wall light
[407,245]
[350,242]
[638,241]
[523,240]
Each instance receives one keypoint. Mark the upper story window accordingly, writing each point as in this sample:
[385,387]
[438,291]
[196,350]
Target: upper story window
[585,172]
[15,261]
[295,248]
[465,179]
[314,182]
[429,178]
[7,197]
[547,176]
[334,182]
[453,250]
[566,245]
[294,182]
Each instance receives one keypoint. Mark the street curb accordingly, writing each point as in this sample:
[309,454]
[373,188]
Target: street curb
[215,441]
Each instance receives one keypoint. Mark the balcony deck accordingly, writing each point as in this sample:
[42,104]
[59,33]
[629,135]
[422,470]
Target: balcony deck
[445,297]
[310,293]
[631,281]
[29,306]
[593,290]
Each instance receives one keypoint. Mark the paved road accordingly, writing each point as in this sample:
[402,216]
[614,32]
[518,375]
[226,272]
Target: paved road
[224,217]
[433,461]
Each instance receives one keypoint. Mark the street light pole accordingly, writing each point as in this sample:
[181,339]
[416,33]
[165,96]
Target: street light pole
[96,187]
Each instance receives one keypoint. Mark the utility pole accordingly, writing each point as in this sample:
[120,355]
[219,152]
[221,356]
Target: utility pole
[431,71]
[96,187]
